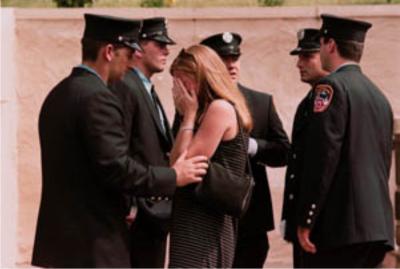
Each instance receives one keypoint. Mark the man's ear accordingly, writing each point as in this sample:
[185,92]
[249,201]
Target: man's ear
[138,54]
[108,52]
[331,45]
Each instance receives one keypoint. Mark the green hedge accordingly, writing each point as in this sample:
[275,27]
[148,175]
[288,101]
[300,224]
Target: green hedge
[73,3]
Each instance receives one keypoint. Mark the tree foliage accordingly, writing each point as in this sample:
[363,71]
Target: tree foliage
[73,3]
[270,3]
[152,3]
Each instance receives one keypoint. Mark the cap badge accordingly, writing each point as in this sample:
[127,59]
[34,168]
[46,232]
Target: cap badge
[300,35]
[227,37]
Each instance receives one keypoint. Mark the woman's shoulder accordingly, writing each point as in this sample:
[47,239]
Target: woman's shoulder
[221,106]
[222,113]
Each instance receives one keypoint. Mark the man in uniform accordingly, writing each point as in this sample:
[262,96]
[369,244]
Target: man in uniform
[343,211]
[268,145]
[309,65]
[150,139]
[85,164]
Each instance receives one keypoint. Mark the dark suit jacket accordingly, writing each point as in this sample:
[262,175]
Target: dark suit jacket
[295,167]
[341,179]
[86,170]
[273,148]
[149,144]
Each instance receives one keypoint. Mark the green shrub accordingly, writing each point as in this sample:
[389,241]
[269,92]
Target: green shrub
[152,3]
[73,3]
[270,3]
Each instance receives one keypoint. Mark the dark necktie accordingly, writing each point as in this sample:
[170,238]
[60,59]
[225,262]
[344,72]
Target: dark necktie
[154,96]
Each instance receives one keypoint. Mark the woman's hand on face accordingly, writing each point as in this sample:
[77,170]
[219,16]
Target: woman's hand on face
[185,99]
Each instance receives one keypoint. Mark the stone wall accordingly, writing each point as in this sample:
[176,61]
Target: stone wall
[45,45]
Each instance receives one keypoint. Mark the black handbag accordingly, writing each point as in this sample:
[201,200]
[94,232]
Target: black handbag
[225,192]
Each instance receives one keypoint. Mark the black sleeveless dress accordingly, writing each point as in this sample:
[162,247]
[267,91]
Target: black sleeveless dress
[200,236]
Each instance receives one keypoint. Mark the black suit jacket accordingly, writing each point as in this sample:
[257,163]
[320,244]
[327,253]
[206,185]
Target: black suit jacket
[149,143]
[273,149]
[86,170]
[295,167]
[339,183]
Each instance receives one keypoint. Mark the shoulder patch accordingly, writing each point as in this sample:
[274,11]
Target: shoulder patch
[323,97]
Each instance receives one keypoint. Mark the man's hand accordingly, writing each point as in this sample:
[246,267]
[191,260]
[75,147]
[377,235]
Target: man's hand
[303,235]
[130,218]
[190,170]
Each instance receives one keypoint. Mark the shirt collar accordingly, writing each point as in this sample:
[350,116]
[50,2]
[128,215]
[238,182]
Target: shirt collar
[345,64]
[146,82]
[90,70]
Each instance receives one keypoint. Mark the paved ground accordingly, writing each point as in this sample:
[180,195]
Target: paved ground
[280,254]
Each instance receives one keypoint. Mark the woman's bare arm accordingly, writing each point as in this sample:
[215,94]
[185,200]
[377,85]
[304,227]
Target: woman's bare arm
[219,123]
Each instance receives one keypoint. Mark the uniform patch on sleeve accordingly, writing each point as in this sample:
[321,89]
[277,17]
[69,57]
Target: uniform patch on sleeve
[323,97]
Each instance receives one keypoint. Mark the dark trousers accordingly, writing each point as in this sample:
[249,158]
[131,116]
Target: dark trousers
[297,255]
[148,245]
[363,255]
[251,250]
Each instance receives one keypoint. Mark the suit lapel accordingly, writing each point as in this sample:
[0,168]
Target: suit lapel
[151,108]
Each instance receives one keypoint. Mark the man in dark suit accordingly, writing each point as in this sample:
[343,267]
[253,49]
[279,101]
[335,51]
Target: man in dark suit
[85,164]
[268,145]
[310,69]
[150,140]
[343,211]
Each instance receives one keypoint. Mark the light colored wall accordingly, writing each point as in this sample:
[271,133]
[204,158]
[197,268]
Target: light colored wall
[9,121]
[47,47]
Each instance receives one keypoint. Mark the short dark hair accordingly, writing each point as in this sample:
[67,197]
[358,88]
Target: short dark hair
[348,49]
[90,49]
